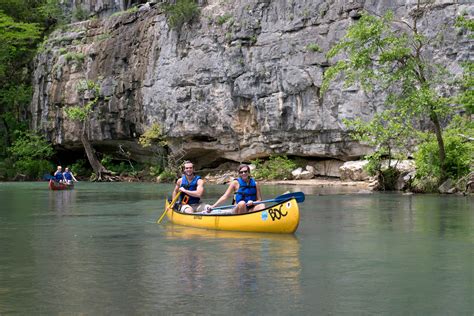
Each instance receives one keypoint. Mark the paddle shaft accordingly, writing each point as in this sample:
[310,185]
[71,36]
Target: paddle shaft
[299,196]
[170,206]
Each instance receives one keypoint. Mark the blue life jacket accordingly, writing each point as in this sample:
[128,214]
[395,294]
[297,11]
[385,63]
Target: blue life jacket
[191,186]
[58,176]
[246,192]
[68,176]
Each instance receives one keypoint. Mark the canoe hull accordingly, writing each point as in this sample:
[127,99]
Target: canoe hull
[55,186]
[280,218]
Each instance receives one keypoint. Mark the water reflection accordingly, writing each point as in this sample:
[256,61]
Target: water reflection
[62,202]
[248,262]
[183,232]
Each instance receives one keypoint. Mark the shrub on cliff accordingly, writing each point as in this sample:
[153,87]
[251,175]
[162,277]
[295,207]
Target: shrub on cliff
[466,82]
[181,12]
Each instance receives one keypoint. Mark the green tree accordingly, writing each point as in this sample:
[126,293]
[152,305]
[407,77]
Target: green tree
[52,13]
[18,43]
[276,167]
[17,48]
[389,133]
[88,91]
[390,54]
[23,23]
[22,10]
[459,139]
[30,153]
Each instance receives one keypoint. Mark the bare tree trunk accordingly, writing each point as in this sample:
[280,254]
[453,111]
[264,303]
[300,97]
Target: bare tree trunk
[441,149]
[8,141]
[98,168]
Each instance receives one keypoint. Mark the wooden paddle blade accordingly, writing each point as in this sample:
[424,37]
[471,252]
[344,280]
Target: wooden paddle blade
[170,206]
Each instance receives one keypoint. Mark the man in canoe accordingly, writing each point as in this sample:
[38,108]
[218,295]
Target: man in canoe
[246,191]
[191,187]
[58,175]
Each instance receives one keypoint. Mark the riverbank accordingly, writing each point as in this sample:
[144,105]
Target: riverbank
[318,182]
[464,186]
[321,182]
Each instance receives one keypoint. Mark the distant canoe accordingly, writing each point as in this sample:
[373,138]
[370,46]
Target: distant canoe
[53,185]
[283,217]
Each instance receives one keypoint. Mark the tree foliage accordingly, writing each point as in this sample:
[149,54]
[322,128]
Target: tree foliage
[22,10]
[276,167]
[82,111]
[152,135]
[459,149]
[23,23]
[32,146]
[389,134]
[167,164]
[391,55]
[89,93]
[18,40]
[52,12]
[30,153]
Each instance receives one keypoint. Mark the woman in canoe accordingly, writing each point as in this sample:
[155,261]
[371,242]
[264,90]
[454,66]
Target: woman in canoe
[69,177]
[246,191]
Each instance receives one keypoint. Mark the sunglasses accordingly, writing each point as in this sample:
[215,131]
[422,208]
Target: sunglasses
[243,171]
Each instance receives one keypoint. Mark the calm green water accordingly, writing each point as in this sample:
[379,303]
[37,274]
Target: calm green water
[96,250]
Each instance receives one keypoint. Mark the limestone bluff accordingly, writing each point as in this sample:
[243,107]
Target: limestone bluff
[237,83]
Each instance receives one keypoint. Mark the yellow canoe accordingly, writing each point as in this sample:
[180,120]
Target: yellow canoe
[283,218]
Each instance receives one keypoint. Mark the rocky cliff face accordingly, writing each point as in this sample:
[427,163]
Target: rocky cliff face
[237,83]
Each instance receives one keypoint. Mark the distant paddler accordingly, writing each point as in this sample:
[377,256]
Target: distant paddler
[58,175]
[69,177]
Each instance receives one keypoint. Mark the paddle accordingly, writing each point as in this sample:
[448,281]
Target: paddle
[299,196]
[48,177]
[170,206]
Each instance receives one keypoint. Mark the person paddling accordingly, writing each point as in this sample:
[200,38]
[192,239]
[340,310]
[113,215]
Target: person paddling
[192,188]
[58,175]
[68,176]
[246,191]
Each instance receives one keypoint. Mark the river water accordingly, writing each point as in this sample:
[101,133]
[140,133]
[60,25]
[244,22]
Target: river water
[96,250]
